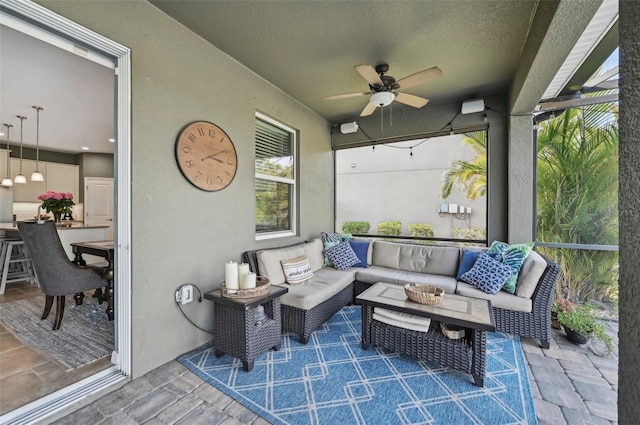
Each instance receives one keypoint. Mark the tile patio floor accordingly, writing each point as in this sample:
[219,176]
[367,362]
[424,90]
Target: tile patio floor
[570,386]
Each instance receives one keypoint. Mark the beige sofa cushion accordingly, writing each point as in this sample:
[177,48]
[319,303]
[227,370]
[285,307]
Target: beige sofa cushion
[376,274]
[324,284]
[440,260]
[502,299]
[530,273]
[269,260]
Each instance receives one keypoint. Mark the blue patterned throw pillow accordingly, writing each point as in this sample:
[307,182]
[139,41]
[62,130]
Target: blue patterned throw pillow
[513,256]
[487,274]
[331,239]
[342,255]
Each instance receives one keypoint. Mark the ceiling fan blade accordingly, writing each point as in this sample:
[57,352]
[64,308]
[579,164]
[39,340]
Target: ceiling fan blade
[411,100]
[368,110]
[420,77]
[344,96]
[369,74]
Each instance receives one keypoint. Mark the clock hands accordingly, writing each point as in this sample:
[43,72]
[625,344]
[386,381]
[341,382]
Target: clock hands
[213,156]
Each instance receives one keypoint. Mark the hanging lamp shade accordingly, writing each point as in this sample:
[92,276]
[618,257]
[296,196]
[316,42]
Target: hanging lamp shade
[37,175]
[7,182]
[20,178]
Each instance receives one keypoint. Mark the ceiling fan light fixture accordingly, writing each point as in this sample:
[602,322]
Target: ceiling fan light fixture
[382,98]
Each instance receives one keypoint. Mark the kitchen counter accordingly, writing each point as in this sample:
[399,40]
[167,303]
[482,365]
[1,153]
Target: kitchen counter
[71,224]
[69,232]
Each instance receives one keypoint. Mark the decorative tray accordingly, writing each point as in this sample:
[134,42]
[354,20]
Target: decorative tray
[262,288]
[423,293]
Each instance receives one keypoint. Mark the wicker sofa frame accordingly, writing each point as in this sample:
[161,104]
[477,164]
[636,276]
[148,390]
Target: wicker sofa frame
[299,321]
[534,324]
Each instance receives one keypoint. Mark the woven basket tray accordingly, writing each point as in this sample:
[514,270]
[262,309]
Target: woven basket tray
[424,294]
[262,288]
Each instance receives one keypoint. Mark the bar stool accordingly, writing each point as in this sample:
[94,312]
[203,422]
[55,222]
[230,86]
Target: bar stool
[15,263]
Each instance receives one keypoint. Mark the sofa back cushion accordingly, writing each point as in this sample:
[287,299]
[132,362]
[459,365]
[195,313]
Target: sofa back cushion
[442,260]
[269,260]
[530,274]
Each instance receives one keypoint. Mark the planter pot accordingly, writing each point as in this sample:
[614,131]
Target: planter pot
[576,337]
[554,321]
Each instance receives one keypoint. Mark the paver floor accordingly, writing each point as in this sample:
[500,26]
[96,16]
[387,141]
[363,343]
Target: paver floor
[570,385]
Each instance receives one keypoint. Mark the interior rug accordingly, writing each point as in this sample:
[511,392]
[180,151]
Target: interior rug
[332,380]
[86,334]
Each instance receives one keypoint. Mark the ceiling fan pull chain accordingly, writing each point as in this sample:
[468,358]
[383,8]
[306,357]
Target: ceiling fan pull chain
[391,115]
[382,119]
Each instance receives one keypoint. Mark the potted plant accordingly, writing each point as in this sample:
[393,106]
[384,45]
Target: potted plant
[580,325]
[559,305]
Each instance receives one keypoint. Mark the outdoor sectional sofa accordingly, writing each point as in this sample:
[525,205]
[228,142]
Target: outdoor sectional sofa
[309,304]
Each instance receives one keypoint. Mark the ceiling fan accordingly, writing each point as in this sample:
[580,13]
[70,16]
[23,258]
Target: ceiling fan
[383,88]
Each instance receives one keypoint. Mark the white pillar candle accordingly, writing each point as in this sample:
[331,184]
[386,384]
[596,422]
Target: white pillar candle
[231,276]
[249,281]
[243,269]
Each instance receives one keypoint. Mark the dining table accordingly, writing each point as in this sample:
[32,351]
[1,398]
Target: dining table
[106,250]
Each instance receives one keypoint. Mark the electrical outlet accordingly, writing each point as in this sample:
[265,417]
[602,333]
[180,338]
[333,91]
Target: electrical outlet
[184,294]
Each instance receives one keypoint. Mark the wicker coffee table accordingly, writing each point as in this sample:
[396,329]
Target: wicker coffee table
[466,354]
[235,330]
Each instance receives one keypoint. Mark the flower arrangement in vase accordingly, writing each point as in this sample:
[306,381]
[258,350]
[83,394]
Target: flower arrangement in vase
[57,203]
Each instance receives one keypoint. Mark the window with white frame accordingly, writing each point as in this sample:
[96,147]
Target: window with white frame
[275,179]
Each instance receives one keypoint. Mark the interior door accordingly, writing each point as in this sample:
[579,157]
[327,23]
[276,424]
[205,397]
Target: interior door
[98,203]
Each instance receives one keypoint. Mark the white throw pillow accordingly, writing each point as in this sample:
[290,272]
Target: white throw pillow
[296,270]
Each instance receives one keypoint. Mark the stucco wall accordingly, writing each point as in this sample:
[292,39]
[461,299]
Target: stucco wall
[179,233]
[389,183]
[435,117]
[629,374]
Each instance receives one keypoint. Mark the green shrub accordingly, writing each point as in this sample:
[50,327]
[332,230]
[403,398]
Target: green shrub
[474,233]
[391,228]
[357,227]
[421,230]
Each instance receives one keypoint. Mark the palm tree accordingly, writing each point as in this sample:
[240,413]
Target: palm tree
[470,176]
[577,194]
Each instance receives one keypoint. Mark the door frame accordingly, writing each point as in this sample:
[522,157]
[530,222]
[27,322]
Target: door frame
[63,401]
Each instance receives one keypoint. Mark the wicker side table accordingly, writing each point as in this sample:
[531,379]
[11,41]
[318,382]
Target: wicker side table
[235,329]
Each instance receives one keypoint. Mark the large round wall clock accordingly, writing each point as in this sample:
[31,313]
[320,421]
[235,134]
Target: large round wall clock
[206,156]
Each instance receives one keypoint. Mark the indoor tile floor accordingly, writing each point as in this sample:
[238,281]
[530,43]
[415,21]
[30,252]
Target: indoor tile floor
[25,375]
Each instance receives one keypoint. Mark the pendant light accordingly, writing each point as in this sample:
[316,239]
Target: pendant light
[37,175]
[7,180]
[20,178]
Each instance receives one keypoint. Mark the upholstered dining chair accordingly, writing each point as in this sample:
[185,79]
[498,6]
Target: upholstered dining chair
[57,275]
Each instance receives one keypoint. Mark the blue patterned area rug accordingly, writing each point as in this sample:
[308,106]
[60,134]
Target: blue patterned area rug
[331,380]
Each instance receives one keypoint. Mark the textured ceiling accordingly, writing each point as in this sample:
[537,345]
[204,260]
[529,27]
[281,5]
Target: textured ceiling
[309,48]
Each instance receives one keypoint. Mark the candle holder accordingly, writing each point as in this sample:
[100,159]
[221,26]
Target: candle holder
[262,287]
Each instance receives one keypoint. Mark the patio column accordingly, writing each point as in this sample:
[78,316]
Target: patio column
[629,213]
[521,179]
